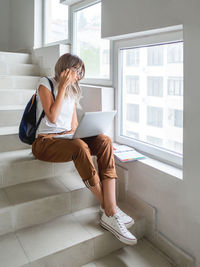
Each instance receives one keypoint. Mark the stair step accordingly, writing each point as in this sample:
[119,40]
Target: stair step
[142,255]
[21,166]
[19,97]
[18,69]
[36,202]
[11,57]
[11,116]
[11,142]
[9,138]
[16,82]
[75,238]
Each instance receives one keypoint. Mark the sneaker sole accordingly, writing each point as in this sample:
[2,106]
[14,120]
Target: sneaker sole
[128,225]
[118,235]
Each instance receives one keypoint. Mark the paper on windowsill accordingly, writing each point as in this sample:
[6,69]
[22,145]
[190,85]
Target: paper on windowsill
[125,153]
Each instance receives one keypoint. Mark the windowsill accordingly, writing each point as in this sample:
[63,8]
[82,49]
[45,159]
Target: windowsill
[155,164]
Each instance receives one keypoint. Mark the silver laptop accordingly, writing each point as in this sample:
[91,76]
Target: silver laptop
[91,124]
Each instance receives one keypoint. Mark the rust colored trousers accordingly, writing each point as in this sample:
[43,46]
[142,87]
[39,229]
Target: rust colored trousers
[80,151]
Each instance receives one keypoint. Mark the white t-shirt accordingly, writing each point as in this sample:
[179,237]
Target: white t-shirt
[64,119]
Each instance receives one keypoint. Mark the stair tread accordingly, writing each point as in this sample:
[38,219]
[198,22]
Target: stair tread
[63,232]
[142,255]
[31,191]
[16,156]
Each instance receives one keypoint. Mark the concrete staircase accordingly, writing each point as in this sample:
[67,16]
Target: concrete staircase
[47,215]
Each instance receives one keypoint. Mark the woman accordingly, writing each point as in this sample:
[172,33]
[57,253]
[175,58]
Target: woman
[61,118]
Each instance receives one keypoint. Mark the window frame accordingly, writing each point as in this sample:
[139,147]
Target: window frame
[160,37]
[64,41]
[77,7]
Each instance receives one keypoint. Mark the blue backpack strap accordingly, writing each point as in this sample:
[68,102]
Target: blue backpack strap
[43,113]
[52,91]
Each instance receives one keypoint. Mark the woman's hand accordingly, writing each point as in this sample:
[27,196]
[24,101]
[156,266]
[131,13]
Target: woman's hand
[67,77]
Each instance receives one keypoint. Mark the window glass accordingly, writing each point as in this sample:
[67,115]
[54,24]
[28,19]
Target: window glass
[155,86]
[152,95]
[94,51]
[132,84]
[56,21]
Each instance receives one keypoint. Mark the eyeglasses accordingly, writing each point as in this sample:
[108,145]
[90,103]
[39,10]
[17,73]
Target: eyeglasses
[78,71]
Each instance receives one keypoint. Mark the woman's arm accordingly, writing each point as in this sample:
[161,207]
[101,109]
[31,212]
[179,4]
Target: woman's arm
[74,123]
[52,108]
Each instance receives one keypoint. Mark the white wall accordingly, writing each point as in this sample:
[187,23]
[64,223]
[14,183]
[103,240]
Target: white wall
[22,25]
[4,25]
[46,57]
[177,201]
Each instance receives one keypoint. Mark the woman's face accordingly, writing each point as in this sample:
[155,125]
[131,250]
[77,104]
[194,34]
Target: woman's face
[77,74]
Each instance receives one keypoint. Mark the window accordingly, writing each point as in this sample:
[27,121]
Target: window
[155,86]
[132,134]
[175,144]
[132,113]
[132,57]
[154,140]
[175,86]
[87,42]
[178,118]
[55,21]
[132,84]
[155,55]
[148,105]
[155,116]
[175,53]
[175,118]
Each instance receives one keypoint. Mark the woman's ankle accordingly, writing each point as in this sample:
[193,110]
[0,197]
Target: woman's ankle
[110,211]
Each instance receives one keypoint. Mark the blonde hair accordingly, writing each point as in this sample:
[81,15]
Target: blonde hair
[68,61]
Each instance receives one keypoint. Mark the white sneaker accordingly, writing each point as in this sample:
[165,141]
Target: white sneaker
[118,228]
[127,220]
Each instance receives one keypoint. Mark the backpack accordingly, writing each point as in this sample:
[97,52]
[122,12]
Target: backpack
[28,125]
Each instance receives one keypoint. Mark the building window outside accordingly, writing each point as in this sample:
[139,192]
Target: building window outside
[175,144]
[87,42]
[155,55]
[132,84]
[155,86]
[132,57]
[154,140]
[178,118]
[175,53]
[175,86]
[155,116]
[132,134]
[132,113]
[56,21]
[160,117]
[175,118]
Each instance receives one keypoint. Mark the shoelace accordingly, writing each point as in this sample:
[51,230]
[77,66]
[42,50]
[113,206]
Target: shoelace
[120,212]
[121,224]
